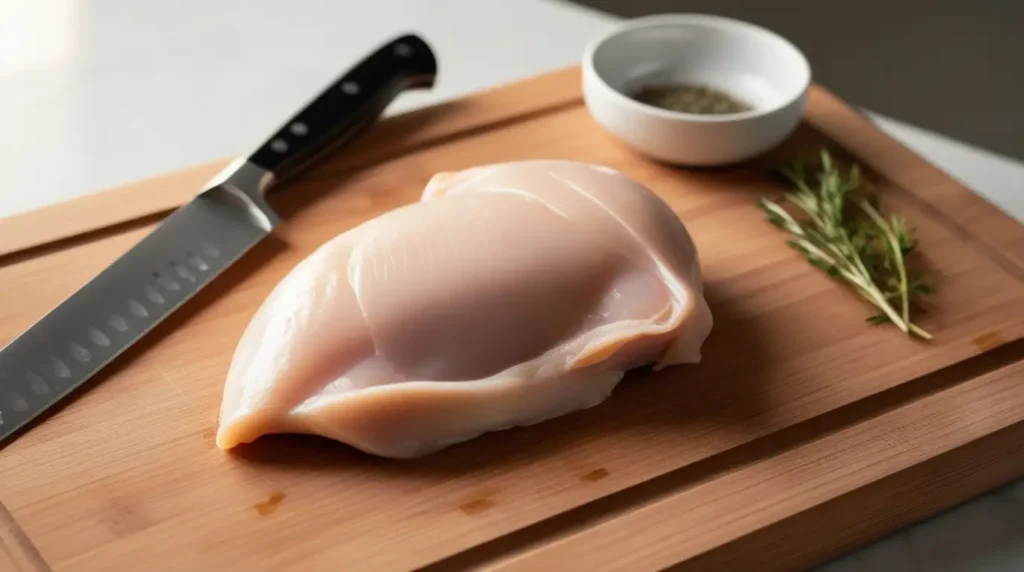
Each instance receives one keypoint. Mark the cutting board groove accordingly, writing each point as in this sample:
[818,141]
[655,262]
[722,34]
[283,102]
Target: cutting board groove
[800,420]
[18,552]
[654,491]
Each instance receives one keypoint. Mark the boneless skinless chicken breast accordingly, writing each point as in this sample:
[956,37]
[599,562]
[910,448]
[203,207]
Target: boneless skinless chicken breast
[510,294]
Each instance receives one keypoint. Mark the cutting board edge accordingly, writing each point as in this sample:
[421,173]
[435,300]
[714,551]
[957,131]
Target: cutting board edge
[16,548]
[934,190]
[498,106]
[452,135]
[908,496]
[390,138]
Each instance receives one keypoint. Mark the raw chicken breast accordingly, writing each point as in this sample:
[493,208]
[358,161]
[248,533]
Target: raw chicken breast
[510,294]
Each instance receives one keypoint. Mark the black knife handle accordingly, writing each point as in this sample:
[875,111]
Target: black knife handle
[348,106]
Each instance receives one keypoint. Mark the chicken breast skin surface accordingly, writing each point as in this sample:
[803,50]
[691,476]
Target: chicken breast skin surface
[508,295]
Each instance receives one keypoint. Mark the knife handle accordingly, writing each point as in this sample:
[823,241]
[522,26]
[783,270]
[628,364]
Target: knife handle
[348,106]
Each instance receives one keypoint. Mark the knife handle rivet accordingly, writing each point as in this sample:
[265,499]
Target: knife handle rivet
[349,88]
[403,50]
[279,145]
[298,129]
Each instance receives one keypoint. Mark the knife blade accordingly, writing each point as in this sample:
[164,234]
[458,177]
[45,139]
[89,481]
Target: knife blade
[197,242]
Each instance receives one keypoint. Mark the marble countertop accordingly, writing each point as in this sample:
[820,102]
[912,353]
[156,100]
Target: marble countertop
[100,93]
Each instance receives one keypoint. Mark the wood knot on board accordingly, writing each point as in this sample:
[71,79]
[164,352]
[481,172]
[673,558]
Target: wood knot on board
[122,519]
[989,341]
[595,475]
[210,434]
[476,506]
[270,505]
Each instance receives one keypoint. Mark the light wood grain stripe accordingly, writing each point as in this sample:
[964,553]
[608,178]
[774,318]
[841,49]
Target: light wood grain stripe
[18,554]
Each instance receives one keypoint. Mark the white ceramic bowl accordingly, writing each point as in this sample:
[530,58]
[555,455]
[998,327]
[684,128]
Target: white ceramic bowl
[747,61]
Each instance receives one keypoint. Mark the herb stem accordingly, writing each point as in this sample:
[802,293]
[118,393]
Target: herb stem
[897,255]
[863,283]
[920,331]
[886,307]
[867,252]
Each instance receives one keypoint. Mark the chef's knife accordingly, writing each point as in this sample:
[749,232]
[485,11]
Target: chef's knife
[196,242]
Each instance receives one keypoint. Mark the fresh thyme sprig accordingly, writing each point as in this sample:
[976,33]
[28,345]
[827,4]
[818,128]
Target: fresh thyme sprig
[867,251]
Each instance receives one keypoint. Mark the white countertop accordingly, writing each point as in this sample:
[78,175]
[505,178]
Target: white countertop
[101,93]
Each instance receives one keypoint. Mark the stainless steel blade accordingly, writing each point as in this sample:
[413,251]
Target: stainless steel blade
[98,322]
[197,242]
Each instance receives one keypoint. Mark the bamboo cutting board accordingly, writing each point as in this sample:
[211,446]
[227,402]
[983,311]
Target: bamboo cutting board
[803,433]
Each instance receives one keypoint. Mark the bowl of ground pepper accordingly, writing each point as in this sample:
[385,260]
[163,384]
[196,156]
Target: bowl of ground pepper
[695,89]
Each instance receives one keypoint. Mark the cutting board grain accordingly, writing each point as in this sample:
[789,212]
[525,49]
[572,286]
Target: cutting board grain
[802,434]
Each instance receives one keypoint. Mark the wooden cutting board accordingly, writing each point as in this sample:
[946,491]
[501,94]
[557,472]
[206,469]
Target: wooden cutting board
[803,433]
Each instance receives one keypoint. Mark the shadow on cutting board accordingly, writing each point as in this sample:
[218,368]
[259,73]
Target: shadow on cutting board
[725,395]
[720,396]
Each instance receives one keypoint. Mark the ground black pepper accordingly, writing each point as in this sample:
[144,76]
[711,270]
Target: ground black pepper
[690,98]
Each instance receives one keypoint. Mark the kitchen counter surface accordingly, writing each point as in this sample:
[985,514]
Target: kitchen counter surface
[101,93]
